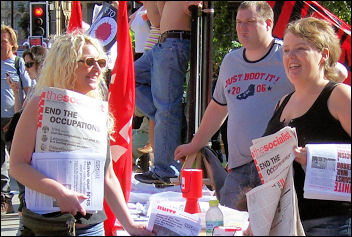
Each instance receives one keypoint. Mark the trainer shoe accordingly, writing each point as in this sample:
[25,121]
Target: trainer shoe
[150,177]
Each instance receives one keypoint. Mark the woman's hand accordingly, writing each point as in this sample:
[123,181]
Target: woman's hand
[138,229]
[300,155]
[70,202]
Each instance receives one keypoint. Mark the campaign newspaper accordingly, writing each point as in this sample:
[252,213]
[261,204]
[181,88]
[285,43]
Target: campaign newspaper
[328,172]
[272,206]
[81,171]
[167,221]
[69,123]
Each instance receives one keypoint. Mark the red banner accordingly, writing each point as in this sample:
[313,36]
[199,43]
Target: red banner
[287,11]
[75,22]
[121,105]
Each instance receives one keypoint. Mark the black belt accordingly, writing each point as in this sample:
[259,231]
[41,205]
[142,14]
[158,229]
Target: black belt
[180,34]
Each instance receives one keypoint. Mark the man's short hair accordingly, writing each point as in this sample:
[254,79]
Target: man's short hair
[262,7]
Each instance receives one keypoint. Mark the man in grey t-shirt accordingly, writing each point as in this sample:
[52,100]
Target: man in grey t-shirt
[251,81]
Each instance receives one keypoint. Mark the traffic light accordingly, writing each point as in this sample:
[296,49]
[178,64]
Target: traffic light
[39,19]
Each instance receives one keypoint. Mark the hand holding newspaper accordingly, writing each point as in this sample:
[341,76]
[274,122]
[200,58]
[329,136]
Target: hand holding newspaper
[81,171]
[328,172]
[272,206]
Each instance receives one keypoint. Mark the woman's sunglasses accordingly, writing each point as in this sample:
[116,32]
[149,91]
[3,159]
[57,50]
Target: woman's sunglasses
[90,62]
[29,64]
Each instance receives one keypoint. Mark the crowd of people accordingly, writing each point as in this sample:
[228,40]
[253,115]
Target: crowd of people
[298,85]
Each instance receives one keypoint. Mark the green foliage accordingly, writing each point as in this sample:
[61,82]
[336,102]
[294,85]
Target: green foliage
[223,33]
[342,9]
[24,24]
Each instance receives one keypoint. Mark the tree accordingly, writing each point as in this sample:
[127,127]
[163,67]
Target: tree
[342,9]
[24,24]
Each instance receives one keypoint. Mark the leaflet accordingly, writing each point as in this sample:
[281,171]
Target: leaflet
[166,221]
[328,172]
[81,171]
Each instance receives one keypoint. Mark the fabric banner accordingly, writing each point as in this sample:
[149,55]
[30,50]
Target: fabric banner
[287,11]
[75,22]
[121,105]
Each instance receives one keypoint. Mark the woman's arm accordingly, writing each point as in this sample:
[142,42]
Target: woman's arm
[23,145]
[115,199]
[339,105]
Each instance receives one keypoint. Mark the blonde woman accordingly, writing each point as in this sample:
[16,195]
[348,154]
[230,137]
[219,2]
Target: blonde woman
[75,62]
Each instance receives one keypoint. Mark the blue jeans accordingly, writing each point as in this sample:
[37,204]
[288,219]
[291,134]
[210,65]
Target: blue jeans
[92,230]
[237,179]
[328,226]
[160,75]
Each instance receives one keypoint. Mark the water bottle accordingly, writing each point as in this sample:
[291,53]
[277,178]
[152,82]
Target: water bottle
[213,217]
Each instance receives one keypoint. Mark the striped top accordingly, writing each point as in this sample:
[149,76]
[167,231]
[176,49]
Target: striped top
[153,38]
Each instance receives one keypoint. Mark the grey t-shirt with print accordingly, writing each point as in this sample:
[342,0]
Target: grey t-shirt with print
[250,90]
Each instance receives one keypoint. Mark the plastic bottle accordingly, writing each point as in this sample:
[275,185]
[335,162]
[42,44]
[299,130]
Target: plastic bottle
[213,217]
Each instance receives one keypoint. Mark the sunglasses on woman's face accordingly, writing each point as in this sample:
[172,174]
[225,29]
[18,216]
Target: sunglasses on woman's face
[91,61]
[29,64]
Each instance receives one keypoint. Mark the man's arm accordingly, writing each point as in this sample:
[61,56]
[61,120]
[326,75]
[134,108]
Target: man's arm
[212,120]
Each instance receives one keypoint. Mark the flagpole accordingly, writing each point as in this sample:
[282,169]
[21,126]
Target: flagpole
[194,72]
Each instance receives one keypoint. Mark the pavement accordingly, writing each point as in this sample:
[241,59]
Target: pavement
[10,222]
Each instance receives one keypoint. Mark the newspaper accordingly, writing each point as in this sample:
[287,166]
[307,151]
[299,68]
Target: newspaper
[81,171]
[328,172]
[69,125]
[167,221]
[71,121]
[272,206]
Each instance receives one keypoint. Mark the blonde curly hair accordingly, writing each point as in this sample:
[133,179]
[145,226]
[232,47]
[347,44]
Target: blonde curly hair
[61,62]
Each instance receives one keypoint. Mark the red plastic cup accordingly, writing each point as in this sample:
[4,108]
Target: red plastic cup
[192,185]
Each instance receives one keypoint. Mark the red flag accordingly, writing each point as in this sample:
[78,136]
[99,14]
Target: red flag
[76,17]
[121,105]
[287,11]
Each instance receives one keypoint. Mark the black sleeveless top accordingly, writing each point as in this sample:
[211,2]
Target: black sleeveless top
[317,125]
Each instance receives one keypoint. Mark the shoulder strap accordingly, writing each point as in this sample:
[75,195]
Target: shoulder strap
[17,66]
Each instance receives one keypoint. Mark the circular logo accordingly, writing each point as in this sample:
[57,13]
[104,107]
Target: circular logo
[105,30]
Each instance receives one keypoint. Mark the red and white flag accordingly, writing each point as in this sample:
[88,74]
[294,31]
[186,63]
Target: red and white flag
[121,105]
[76,22]
[287,11]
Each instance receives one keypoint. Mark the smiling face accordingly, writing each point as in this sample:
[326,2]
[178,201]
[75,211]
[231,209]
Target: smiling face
[87,76]
[301,59]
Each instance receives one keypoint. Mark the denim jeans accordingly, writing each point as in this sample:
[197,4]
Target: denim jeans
[92,230]
[237,179]
[328,226]
[160,76]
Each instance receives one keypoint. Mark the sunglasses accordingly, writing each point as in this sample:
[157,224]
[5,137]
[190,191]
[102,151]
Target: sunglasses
[91,61]
[29,64]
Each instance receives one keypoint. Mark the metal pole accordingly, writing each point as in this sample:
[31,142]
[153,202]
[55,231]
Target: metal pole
[12,15]
[207,72]
[194,66]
